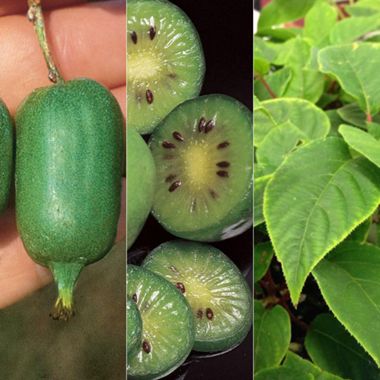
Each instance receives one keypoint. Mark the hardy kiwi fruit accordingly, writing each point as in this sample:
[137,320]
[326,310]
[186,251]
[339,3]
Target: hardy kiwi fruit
[134,328]
[165,62]
[218,294]
[68,179]
[6,155]
[203,155]
[168,325]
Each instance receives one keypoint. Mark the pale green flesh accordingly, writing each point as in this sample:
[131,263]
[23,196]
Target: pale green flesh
[205,200]
[170,65]
[134,327]
[167,325]
[211,281]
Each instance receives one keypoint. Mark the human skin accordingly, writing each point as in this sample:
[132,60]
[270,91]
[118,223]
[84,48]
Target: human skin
[87,40]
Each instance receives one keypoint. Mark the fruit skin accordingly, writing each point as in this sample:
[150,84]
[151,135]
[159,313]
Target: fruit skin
[137,277]
[163,257]
[141,174]
[134,328]
[6,155]
[68,178]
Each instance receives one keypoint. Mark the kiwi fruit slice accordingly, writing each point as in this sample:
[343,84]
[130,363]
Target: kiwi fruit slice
[203,152]
[165,61]
[218,294]
[140,187]
[168,325]
[134,328]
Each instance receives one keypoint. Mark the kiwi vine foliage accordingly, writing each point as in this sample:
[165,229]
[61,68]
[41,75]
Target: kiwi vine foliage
[317,189]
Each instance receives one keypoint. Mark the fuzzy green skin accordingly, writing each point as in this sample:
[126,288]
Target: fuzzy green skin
[68,175]
[6,155]
[159,301]
[195,260]
[141,174]
[134,328]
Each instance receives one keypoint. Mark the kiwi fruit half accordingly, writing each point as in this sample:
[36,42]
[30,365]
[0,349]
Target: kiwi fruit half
[165,62]
[168,325]
[218,294]
[134,328]
[141,174]
[203,154]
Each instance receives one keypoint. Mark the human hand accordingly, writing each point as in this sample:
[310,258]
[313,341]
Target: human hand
[86,40]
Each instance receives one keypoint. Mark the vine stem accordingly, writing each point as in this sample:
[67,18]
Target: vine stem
[268,88]
[36,17]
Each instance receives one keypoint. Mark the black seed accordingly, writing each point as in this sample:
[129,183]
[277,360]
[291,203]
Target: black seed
[223,145]
[222,173]
[134,297]
[178,136]
[180,286]
[172,75]
[149,96]
[174,186]
[223,164]
[199,314]
[134,37]
[152,32]
[170,178]
[213,194]
[209,314]
[168,145]
[146,346]
[209,126]
[201,124]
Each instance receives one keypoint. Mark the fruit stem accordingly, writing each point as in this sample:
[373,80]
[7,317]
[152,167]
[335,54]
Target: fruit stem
[36,17]
[65,276]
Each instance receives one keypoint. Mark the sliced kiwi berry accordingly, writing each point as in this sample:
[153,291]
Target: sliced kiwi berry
[218,294]
[168,325]
[165,61]
[134,328]
[203,154]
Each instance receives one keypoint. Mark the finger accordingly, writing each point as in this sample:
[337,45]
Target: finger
[86,41]
[8,7]
[19,274]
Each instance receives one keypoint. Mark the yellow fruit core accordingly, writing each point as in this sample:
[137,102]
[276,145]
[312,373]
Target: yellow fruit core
[142,65]
[197,294]
[197,165]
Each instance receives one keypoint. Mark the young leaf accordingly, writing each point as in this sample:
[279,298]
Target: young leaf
[349,280]
[304,115]
[277,81]
[258,198]
[353,115]
[283,373]
[296,363]
[362,142]
[356,68]
[364,8]
[318,23]
[272,336]
[280,11]
[322,193]
[351,29]
[263,255]
[333,349]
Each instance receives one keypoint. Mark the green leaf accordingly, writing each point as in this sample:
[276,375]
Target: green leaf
[296,363]
[263,254]
[272,335]
[335,121]
[261,66]
[318,23]
[356,68]
[259,187]
[295,53]
[360,233]
[285,139]
[363,8]
[322,193]
[351,29]
[374,130]
[362,142]
[281,11]
[349,280]
[283,373]
[279,34]
[265,49]
[352,114]
[333,349]
[277,81]
[304,115]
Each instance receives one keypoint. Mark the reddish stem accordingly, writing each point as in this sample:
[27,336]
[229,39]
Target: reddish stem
[369,117]
[266,85]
